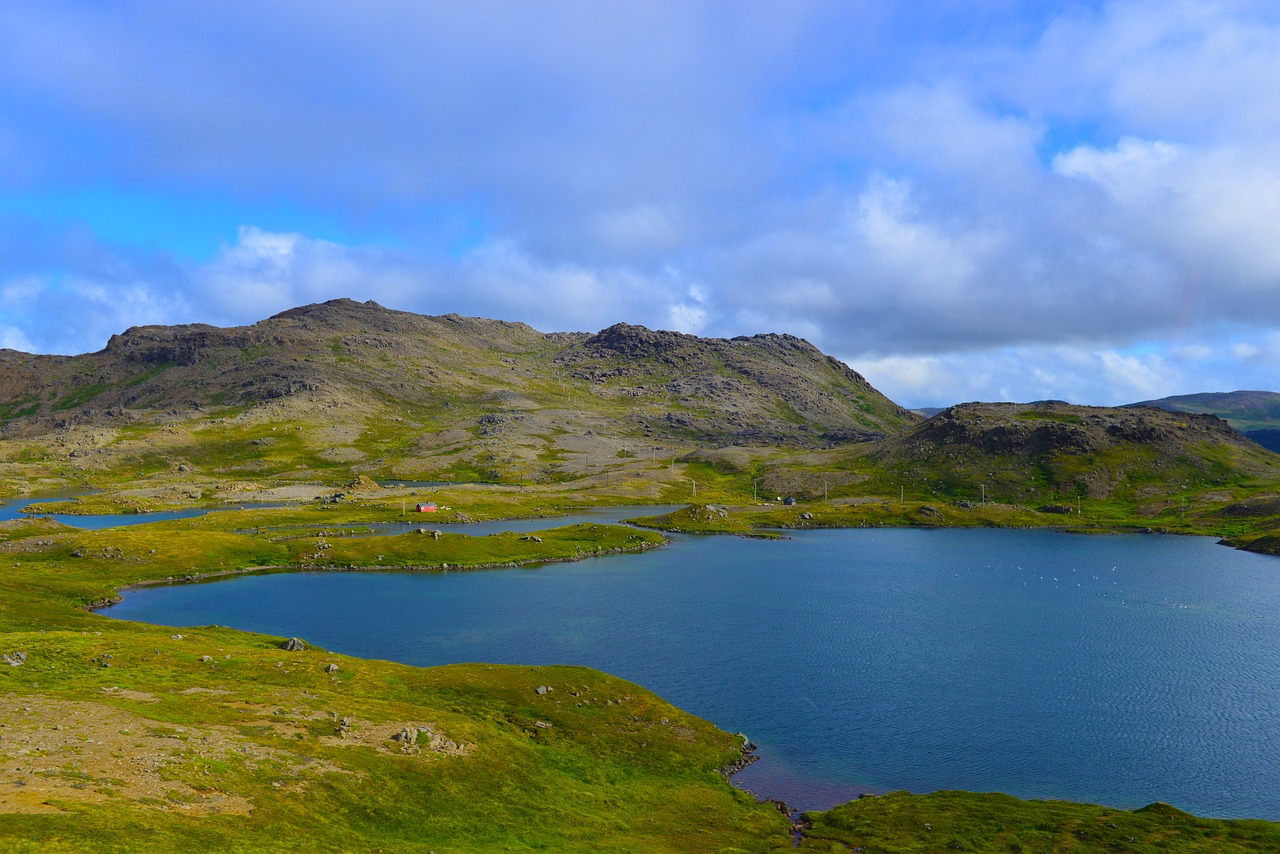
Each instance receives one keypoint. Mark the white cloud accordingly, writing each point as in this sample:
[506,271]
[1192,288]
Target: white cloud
[17,294]
[1215,213]
[1135,172]
[1245,351]
[77,314]
[1142,377]
[1195,68]
[911,250]
[642,228]
[686,318]
[944,130]
[13,338]
[920,379]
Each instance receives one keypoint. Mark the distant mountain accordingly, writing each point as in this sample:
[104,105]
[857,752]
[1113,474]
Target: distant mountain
[1256,414]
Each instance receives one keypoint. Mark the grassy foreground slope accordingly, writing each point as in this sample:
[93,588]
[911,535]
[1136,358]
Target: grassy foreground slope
[117,736]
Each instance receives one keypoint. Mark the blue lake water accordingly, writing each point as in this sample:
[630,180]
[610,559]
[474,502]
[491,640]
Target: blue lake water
[1112,669]
[13,510]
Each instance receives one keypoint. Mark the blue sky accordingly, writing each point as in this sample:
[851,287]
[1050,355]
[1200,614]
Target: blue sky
[964,201]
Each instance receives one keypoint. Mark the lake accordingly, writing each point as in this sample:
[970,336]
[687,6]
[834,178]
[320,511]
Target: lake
[1117,669]
[14,510]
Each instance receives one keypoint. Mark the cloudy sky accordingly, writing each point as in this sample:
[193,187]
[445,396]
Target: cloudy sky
[963,200]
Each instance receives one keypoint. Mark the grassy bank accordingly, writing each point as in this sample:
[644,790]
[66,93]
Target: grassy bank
[118,736]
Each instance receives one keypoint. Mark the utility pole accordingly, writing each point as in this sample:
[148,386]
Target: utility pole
[984,493]
[825,489]
[902,495]
[695,487]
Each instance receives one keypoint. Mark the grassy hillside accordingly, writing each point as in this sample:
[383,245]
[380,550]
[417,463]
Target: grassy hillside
[117,736]
[1048,451]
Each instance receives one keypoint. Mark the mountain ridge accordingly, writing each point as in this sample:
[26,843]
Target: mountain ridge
[1255,414]
[484,399]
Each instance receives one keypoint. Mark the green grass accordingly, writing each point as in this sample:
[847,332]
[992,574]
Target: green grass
[79,396]
[902,823]
[19,407]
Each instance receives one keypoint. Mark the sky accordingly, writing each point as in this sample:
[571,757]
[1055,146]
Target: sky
[963,200]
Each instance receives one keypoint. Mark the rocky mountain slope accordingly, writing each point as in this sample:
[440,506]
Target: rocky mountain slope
[397,394]
[1256,414]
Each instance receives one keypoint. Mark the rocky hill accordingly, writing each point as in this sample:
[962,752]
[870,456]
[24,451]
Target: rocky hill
[1050,450]
[1256,414]
[397,394]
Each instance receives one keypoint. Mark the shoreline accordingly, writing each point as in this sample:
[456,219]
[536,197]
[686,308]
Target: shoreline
[286,569]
